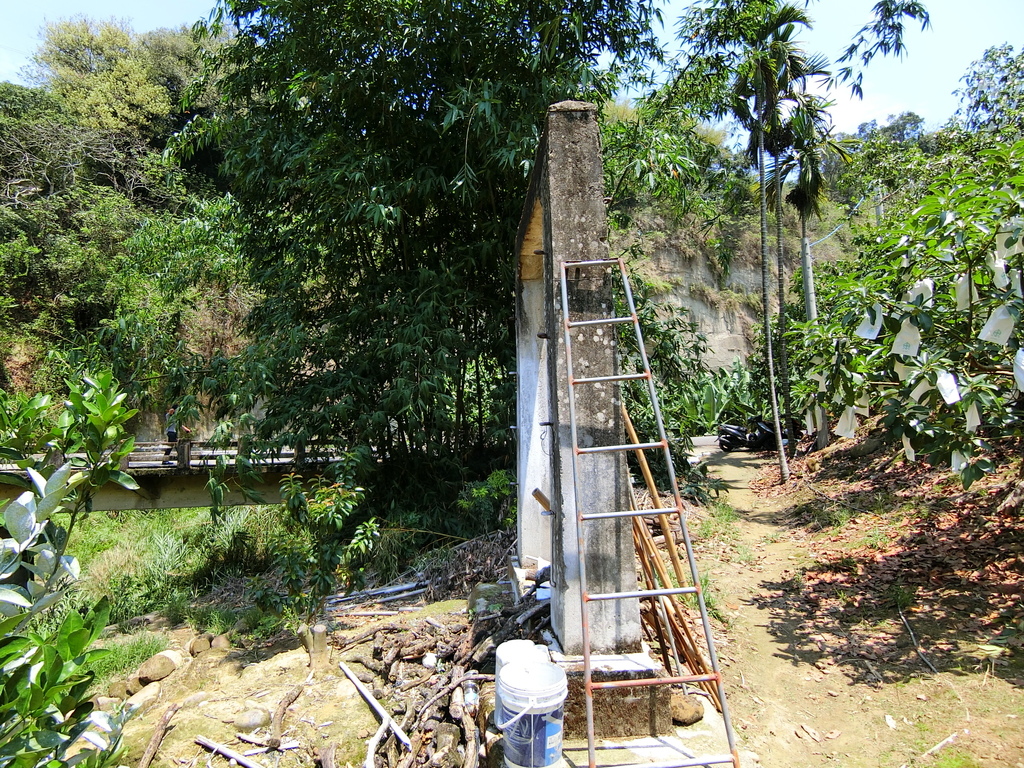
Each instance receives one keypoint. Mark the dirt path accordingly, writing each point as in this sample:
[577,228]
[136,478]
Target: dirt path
[800,698]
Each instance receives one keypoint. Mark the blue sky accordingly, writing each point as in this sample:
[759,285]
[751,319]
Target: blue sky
[922,82]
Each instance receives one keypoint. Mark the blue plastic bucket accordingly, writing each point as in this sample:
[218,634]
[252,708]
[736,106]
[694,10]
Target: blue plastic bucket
[533,705]
[515,652]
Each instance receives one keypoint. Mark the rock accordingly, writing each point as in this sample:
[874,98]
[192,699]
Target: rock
[105,703]
[865,448]
[195,699]
[133,685]
[484,598]
[159,666]
[686,710]
[220,641]
[144,699]
[156,621]
[241,626]
[198,645]
[252,719]
[118,689]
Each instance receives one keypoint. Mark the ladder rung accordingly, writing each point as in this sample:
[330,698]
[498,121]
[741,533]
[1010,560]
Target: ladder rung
[689,762]
[590,262]
[626,447]
[601,321]
[617,377]
[632,513]
[650,681]
[641,593]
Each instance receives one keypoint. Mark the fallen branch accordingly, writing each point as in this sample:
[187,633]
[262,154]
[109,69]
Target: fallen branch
[944,743]
[227,752]
[363,636]
[917,647]
[384,715]
[528,614]
[445,690]
[274,741]
[472,743]
[371,748]
[158,736]
[327,756]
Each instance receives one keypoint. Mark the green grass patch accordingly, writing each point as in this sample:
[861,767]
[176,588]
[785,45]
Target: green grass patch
[719,524]
[955,759]
[159,561]
[124,655]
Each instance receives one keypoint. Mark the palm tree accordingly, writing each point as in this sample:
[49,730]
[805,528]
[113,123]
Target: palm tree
[774,69]
[813,142]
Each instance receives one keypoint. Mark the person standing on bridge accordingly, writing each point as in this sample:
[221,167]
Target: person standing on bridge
[172,422]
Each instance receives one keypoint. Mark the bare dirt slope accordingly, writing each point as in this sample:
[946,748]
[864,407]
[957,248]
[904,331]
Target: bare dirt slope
[814,684]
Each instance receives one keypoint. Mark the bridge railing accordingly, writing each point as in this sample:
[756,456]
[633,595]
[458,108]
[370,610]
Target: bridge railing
[196,455]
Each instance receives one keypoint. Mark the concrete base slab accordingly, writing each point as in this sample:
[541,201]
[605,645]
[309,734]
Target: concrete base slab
[618,712]
[695,745]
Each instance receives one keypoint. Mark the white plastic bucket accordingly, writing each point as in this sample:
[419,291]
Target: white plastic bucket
[515,652]
[533,705]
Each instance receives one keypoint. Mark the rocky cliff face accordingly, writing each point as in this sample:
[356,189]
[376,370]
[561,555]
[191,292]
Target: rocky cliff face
[726,305]
[726,308]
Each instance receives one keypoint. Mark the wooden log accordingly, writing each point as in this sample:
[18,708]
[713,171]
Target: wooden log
[472,743]
[362,637]
[276,722]
[158,736]
[327,759]
[227,752]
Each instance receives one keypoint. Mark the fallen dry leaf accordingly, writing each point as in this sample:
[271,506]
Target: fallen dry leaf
[810,732]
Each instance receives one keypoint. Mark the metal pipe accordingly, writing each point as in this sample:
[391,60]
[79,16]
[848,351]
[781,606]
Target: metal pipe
[626,447]
[643,593]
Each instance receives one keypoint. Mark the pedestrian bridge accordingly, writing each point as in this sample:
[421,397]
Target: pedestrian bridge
[173,476]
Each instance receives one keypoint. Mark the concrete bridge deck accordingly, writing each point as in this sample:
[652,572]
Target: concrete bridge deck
[172,476]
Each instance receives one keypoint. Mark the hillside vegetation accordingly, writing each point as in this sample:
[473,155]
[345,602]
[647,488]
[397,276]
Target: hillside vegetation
[296,222]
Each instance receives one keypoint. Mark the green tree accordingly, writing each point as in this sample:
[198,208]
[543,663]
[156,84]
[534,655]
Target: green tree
[97,69]
[925,323]
[46,718]
[992,98]
[758,39]
[380,165]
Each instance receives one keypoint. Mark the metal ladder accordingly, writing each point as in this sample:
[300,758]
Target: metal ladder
[579,454]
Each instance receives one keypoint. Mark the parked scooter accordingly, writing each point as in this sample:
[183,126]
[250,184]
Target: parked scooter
[758,435]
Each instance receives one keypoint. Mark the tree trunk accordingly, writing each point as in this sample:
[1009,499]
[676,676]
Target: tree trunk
[780,261]
[807,266]
[811,311]
[765,294]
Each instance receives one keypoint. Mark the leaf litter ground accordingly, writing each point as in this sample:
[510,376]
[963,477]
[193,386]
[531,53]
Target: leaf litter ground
[871,608]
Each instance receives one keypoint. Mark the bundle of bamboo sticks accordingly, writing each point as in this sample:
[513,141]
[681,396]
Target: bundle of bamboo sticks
[665,615]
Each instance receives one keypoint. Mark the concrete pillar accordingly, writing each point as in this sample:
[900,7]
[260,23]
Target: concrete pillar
[567,196]
[533,398]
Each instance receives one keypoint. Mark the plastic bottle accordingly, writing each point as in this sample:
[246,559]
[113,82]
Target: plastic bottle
[471,697]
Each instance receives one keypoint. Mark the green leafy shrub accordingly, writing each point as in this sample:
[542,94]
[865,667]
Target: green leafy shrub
[327,546]
[914,330]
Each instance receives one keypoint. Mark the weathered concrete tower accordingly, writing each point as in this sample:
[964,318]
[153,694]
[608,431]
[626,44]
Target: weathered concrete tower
[564,221]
